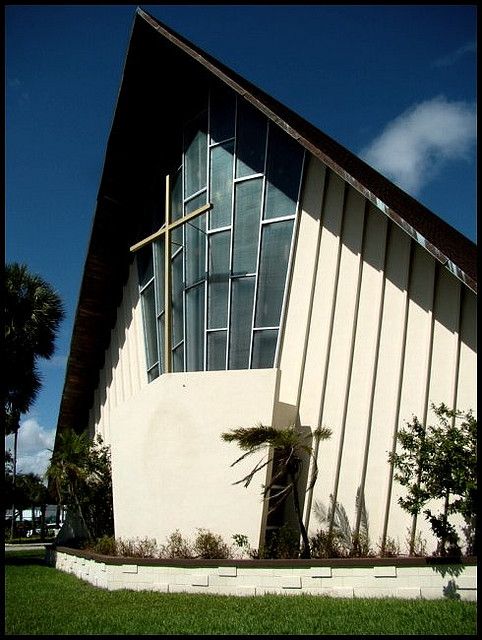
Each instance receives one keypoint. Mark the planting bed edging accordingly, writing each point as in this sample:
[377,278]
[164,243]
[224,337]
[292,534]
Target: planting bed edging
[428,578]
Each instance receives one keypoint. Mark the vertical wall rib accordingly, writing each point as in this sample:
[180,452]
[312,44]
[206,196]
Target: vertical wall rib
[120,377]
[386,332]
[396,419]
[373,382]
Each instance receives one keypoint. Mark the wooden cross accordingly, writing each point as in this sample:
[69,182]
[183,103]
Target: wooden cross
[165,231]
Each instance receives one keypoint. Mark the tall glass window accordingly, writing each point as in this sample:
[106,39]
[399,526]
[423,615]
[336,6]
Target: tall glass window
[247,211]
[195,141]
[229,265]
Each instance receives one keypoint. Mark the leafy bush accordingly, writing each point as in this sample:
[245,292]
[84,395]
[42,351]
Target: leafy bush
[281,543]
[210,545]
[389,549]
[106,546]
[81,477]
[325,545]
[137,548]
[176,547]
[439,463]
[241,542]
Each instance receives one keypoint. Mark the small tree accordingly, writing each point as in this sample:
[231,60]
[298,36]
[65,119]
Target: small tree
[33,313]
[80,475]
[31,492]
[439,462]
[288,448]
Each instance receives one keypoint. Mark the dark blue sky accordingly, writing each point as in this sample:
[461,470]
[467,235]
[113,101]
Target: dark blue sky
[388,82]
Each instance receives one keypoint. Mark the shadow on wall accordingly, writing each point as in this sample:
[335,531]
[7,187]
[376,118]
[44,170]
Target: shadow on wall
[450,591]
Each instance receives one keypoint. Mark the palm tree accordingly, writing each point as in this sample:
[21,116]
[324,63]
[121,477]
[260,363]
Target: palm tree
[353,542]
[288,448]
[33,312]
[69,471]
[31,492]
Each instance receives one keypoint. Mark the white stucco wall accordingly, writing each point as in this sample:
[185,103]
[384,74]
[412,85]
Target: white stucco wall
[375,331]
[171,469]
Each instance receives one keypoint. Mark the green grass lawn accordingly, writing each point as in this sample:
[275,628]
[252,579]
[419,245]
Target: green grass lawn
[41,600]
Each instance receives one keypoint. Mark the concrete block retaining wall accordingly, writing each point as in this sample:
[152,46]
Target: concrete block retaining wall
[344,578]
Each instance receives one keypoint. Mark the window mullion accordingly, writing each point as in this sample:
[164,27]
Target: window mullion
[206,238]
[231,238]
[258,257]
[294,235]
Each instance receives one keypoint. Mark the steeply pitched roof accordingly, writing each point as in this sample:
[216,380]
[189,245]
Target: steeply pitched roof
[162,72]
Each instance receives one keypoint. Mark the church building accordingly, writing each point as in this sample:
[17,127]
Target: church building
[244,268]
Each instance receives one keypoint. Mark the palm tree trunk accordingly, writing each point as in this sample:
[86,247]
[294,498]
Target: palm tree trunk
[14,481]
[43,509]
[81,514]
[305,551]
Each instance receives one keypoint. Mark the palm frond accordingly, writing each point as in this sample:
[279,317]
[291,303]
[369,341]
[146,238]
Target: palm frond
[248,477]
[321,512]
[248,438]
[341,525]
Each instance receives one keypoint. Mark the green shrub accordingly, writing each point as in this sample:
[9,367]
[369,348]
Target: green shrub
[241,546]
[281,543]
[106,546]
[389,549]
[176,547]
[210,545]
[137,548]
[325,545]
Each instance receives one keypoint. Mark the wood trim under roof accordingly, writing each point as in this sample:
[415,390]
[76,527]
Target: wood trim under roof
[133,161]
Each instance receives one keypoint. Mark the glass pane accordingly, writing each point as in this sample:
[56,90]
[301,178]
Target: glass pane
[195,328]
[145,267]
[217,350]
[178,358]
[246,225]
[159,255]
[176,211]
[160,335]
[195,203]
[275,250]
[283,174]
[195,249]
[195,146]
[176,196]
[218,287]
[221,184]
[241,321]
[153,373]
[150,332]
[222,111]
[177,303]
[251,139]
[264,347]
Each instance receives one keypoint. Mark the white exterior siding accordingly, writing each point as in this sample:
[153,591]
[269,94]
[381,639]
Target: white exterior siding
[124,370]
[375,330]
[389,332]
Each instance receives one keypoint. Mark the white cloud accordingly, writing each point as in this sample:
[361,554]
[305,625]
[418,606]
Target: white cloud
[33,448]
[454,56]
[416,145]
